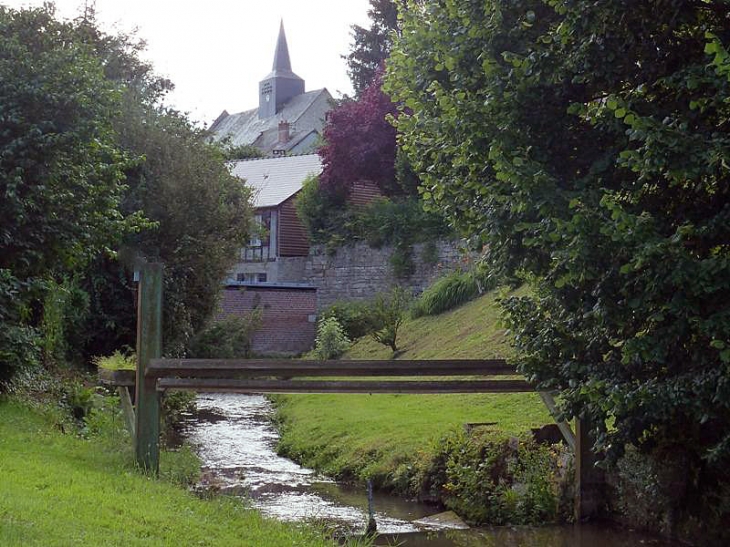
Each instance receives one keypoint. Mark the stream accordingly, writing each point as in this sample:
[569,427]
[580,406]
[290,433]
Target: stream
[234,437]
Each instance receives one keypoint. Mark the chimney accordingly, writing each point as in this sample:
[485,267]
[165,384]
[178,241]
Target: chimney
[284,134]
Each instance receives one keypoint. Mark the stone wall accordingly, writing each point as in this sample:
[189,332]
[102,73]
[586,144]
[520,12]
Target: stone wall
[358,272]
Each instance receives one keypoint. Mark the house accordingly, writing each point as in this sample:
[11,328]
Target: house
[288,120]
[278,249]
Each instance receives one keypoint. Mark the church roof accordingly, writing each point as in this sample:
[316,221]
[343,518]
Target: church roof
[282,63]
[303,112]
[274,180]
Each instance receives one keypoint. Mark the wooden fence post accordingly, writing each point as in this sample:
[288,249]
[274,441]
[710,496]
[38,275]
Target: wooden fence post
[589,480]
[149,346]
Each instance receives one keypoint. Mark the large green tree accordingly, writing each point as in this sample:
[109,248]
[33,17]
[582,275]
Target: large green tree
[199,212]
[61,169]
[586,144]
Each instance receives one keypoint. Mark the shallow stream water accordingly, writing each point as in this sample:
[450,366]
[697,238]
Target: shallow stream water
[236,441]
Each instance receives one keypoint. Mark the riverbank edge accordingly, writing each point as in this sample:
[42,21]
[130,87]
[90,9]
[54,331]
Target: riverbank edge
[68,482]
[523,481]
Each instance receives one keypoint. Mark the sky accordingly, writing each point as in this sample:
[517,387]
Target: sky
[216,51]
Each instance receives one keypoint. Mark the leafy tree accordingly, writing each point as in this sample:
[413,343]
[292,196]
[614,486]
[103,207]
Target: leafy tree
[199,213]
[371,46]
[360,144]
[586,144]
[385,315]
[61,170]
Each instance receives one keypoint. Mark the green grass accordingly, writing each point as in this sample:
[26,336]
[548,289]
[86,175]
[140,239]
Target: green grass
[60,490]
[360,436]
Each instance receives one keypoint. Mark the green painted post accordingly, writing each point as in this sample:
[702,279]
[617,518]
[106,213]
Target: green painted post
[149,346]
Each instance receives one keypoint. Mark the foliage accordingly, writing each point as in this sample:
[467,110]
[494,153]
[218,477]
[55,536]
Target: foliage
[61,171]
[385,315]
[19,341]
[446,294]
[371,46]
[323,214]
[227,338]
[199,212]
[241,152]
[583,143]
[116,361]
[351,315]
[360,144]
[331,341]
[65,309]
[330,220]
[489,479]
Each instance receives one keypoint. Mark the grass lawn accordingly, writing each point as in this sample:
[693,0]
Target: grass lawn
[372,435]
[61,490]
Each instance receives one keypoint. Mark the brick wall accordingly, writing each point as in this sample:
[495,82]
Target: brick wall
[288,325]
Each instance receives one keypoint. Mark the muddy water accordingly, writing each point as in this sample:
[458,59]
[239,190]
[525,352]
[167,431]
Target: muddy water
[235,439]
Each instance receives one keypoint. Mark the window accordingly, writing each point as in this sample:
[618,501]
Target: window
[251,277]
[261,228]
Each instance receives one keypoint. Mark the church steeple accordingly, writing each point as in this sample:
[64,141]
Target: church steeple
[281,84]
[281,57]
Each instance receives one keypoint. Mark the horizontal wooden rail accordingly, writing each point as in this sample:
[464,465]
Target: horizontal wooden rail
[219,368]
[343,386]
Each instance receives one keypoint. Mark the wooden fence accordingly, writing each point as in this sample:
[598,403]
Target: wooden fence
[154,375]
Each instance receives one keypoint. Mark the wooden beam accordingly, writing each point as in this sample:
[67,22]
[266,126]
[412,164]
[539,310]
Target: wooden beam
[343,386]
[564,427]
[218,368]
[149,346]
[127,408]
[117,378]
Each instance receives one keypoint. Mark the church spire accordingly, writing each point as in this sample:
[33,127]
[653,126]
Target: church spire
[282,84]
[281,56]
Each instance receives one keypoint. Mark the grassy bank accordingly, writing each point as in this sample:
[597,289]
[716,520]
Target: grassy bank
[61,489]
[390,438]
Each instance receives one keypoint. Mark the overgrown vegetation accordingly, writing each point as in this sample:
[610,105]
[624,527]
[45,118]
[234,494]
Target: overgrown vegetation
[227,338]
[330,220]
[451,291]
[486,477]
[584,144]
[95,174]
[331,341]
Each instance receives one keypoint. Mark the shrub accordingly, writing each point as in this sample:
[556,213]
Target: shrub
[385,316]
[228,338]
[19,342]
[445,294]
[116,361]
[331,339]
[352,316]
[490,479]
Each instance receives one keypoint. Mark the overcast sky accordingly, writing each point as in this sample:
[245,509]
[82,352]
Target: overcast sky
[216,51]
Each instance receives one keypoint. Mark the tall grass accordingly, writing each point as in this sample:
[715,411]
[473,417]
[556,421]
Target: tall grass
[446,294]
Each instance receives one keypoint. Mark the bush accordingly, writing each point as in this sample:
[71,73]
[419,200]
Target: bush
[385,316]
[445,294]
[331,339]
[489,479]
[116,361]
[228,338]
[19,342]
[352,316]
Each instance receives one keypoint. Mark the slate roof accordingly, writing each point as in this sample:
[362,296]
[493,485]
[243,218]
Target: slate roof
[274,180]
[304,113]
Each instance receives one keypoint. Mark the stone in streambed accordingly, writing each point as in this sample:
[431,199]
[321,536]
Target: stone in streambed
[447,520]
